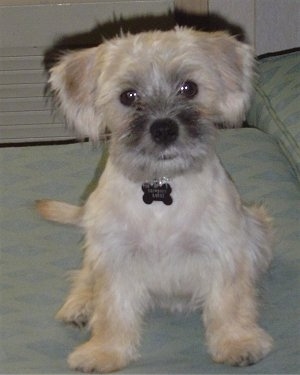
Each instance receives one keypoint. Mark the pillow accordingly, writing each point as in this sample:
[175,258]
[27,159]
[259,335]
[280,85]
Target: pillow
[275,105]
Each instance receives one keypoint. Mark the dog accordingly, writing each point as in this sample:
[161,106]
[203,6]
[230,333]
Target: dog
[165,225]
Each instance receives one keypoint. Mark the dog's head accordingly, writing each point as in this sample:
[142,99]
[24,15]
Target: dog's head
[160,94]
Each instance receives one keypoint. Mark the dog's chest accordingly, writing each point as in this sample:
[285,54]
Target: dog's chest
[166,246]
[118,217]
[152,228]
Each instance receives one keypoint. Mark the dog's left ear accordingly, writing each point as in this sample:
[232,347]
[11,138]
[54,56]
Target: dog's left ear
[234,63]
[74,81]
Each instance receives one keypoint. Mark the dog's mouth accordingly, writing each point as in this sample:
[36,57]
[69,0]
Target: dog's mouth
[162,151]
[165,157]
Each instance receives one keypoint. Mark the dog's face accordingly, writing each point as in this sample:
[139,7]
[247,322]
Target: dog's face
[159,94]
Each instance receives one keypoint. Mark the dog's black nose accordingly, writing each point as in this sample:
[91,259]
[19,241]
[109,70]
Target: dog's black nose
[164,131]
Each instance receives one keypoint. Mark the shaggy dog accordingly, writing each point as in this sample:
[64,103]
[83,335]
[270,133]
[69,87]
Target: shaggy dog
[165,225]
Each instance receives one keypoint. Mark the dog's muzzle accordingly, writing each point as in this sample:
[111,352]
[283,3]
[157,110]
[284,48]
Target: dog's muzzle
[164,131]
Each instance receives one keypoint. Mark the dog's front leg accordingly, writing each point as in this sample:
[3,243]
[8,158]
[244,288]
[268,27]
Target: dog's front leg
[230,315]
[115,328]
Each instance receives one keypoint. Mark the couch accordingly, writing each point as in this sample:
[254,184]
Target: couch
[263,158]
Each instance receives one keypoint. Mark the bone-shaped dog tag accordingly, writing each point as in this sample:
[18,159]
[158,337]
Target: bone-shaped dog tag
[157,192]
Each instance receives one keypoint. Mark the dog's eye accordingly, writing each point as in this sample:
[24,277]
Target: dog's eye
[188,89]
[129,97]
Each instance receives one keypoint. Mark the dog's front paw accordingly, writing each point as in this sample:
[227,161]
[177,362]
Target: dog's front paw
[243,350]
[91,357]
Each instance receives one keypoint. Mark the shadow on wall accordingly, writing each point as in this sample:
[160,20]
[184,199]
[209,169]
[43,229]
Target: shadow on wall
[134,25]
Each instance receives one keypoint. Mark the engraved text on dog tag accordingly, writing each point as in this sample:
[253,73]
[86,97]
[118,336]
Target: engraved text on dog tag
[157,192]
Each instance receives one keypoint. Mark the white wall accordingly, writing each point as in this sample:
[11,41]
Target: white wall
[240,12]
[277,25]
[270,25]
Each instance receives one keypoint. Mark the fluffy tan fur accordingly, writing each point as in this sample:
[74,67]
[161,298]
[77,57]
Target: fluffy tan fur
[204,251]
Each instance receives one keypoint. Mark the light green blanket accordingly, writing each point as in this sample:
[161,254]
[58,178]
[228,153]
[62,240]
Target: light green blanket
[35,256]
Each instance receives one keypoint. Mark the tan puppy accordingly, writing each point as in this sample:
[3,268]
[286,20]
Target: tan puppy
[165,224]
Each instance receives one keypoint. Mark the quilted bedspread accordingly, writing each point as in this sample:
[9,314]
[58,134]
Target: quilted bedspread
[36,255]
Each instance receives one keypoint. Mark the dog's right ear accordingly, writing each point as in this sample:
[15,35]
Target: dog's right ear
[73,81]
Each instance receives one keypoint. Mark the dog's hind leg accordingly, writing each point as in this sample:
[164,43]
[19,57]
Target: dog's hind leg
[78,307]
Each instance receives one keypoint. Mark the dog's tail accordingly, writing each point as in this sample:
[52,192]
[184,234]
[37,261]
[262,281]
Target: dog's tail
[60,211]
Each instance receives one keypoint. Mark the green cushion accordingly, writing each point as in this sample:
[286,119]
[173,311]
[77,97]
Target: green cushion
[35,256]
[276,103]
